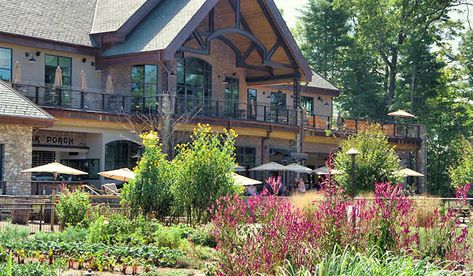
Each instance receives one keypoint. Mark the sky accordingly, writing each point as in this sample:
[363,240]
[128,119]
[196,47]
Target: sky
[290,9]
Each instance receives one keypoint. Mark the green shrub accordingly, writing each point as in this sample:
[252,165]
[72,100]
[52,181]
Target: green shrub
[168,237]
[461,172]
[114,229]
[71,234]
[11,232]
[376,163]
[203,236]
[72,208]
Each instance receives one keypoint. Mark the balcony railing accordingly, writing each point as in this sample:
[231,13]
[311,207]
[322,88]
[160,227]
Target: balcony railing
[66,98]
[348,126]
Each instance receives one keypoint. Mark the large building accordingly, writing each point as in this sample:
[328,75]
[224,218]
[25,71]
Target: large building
[230,63]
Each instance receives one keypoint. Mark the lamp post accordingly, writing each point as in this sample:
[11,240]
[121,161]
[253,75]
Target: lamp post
[353,153]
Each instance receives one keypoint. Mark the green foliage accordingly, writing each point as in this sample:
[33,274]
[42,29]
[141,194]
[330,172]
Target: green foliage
[71,234]
[377,161]
[30,269]
[115,229]
[150,191]
[72,208]
[350,262]
[11,232]
[205,166]
[461,172]
[203,236]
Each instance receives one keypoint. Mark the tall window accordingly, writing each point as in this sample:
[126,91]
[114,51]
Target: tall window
[232,95]
[278,106]
[52,62]
[5,64]
[194,83]
[252,102]
[246,156]
[144,81]
[308,105]
[121,154]
[1,162]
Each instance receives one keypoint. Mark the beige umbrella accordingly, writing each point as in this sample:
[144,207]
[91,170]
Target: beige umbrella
[58,78]
[55,168]
[123,174]
[271,166]
[298,168]
[402,114]
[408,172]
[245,181]
[324,171]
[109,85]
[83,81]
[17,73]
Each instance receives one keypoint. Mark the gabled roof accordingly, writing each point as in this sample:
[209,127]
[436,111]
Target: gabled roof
[57,20]
[159,28]
[110,15]
[13,104]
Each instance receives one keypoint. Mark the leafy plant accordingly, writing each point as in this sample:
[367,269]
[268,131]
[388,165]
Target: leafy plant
[11,232]
[376,163]
[72,208]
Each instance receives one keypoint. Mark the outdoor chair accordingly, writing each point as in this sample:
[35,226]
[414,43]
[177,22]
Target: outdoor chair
[111,189]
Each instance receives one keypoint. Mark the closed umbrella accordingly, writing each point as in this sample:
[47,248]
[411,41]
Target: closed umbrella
[17,73]
[123,174]
[58,78]
[271,166]
[324,171]
[294,167]
[109,85]
[55,168]
[83,81]
[408,172]
[245,181]
[402,114]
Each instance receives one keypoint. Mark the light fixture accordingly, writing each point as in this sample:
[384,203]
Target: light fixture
[83,60]
[37,53]
[32,59]
[353,152]
[31,56]
[92,63]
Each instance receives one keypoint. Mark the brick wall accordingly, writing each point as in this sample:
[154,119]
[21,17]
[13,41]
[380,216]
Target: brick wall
[18,150]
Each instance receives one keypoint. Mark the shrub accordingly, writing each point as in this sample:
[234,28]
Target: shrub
[149,192]
[206,164]
[376,163]
[203,236]
[11,232]
[168,237]
[71,234]
[461,172]
[72,208]
[112,230]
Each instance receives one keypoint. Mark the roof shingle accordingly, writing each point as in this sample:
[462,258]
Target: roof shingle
[110,15]
[12,103]
[57,20]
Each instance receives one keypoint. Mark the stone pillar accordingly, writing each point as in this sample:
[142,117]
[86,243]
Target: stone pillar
[17,150]
[421,159]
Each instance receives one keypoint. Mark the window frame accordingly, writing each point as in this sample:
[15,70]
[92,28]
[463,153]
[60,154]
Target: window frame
[304,100]
[57,64]
[183,86]
[241,156]
[11,63]
[147,102]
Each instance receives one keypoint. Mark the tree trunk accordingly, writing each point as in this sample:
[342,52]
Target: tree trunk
[392,76]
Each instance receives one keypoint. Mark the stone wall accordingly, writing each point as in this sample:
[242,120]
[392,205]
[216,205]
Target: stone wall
[17,157]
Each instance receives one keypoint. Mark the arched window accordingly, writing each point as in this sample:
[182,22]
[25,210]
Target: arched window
[194,83]
[121,154]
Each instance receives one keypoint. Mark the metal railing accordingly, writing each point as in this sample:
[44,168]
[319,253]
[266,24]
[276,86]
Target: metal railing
[348,126]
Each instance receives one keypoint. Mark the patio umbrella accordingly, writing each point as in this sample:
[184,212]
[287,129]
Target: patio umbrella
[55,168]
[123,174]
[109,85]
[83,81]
[245,181]
[408,172]
[402,114]
[298,168]
[58,78]
[324,171]
[17,73]
[271,166]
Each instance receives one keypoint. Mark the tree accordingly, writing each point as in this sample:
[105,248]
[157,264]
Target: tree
[150,193]
[376,163]
[461,172]
[206,164]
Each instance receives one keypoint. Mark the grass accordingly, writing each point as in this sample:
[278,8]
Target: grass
[347,262]
[305,201]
